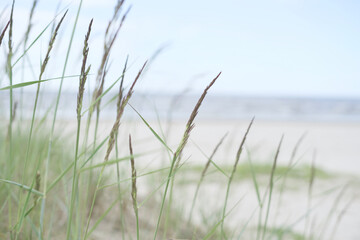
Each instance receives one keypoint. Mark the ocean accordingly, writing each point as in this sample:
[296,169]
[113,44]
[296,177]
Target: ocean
[178,107]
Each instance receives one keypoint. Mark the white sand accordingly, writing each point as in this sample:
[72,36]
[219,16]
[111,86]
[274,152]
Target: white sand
[337,144]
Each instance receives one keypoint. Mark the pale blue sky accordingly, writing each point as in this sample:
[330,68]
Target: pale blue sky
[264,47]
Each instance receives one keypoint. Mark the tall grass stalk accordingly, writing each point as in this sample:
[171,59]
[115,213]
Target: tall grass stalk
[271,186]
[290,165]
[10,75]
[203,175]
[238,154]
[121,91]
[82,81]
[257,189]
[184,140]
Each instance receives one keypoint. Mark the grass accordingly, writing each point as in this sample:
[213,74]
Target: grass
[55,185]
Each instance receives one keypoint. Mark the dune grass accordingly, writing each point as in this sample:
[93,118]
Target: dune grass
[72,186]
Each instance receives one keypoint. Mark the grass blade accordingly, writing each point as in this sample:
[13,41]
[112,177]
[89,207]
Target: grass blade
[152,130]
[27,188]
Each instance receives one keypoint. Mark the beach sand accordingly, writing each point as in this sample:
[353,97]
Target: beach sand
[336,144]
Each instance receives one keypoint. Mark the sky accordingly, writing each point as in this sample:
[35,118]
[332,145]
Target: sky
[291,48]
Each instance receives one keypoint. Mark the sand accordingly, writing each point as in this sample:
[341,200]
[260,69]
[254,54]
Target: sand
[336,144]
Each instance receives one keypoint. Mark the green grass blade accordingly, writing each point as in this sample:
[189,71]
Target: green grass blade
[271,186]
[110,162]
[25,84]
[27,188]
[211,161]
[94,152]
[37,38]
[253,176]
[129,179]
[152,130]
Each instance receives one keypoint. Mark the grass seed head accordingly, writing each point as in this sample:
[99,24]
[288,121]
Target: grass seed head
[3,32]
[190,124]
[119,114]
[29,27]
[50,46]
[133,174]
[84,73]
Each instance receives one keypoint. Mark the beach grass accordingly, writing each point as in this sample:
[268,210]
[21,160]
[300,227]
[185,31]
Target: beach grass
[56,184]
